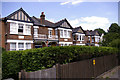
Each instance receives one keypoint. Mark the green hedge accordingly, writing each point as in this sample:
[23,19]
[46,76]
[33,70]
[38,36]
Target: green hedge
[41,58]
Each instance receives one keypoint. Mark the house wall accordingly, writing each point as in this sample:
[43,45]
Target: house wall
[2,33]
[17,36]
[76,42]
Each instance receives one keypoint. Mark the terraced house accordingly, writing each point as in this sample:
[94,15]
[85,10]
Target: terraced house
[21,32]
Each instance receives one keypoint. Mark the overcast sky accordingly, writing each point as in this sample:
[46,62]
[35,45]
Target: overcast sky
[89,15]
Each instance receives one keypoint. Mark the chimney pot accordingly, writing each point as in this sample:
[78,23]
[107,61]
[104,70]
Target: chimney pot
[42,18]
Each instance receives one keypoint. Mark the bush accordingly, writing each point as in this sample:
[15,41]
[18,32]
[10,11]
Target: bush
[41,58]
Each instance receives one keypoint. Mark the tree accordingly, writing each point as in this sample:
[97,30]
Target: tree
[100,31]
[114,28]
[115,43]
[109,37]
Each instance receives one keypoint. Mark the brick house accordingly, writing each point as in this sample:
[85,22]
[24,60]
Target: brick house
[21,32]
[78,36]
[92,38]
[17,31]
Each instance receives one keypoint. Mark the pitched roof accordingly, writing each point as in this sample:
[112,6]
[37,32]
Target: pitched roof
[12,14]
[75,30]
[36,21]
[46,22]
[92,33]
[59,23]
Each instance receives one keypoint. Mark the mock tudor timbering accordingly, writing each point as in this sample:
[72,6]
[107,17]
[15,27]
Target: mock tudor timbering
[20,32]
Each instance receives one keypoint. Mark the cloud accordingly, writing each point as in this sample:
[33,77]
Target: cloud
[73,2]
[76,2]
[91,23]
[65,3]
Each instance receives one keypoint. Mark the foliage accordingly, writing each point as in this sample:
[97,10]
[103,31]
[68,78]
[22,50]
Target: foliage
[115,43]
[113,34]
[41,58]
[11,64]
[100,31]
[114,28]
[109,37]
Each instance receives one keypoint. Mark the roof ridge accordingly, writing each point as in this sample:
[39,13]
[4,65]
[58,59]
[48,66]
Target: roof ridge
[50,21]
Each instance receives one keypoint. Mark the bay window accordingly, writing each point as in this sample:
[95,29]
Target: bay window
[20,28]
[65,33]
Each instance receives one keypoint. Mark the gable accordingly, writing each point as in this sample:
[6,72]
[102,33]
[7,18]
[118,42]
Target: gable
[97,33]
[80,30]
[65,24]
[19,15]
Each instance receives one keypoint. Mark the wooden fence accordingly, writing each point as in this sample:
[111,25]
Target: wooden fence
[80,69]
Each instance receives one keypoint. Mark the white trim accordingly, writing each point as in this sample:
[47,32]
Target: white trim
[19,22]
[35,27]
[27,41]
[20,41]
[65,43]
[65,29]
[50,29]
[79,44]
[97,45]
[79,34]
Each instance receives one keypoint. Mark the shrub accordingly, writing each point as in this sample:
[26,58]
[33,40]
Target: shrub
[41,58]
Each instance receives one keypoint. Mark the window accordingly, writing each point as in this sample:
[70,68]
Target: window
[21,46]
[20,28]
[28,29]
[28,45]
[69,34]
[74,37]
[12,46]
[35,31]
[65,33]
[92,39]
[83,38]
[80,37]
[61,44]
[61,33]
[13,28]
[77,37]
[50,33]
[56,33]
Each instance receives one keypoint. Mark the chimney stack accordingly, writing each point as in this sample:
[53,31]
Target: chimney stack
[42,18]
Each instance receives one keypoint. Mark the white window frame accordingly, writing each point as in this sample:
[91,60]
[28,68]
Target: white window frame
[20,41]
[16,30]
[50,33]
[28,45]
[28,29]
[61,33]
[19,25]
[11,47]
[13,28]
[64,33]
[19,47]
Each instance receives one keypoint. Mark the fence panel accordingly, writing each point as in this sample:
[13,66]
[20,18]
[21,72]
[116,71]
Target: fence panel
[80,69]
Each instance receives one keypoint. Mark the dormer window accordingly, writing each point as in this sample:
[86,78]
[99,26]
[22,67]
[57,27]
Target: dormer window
[20,28]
